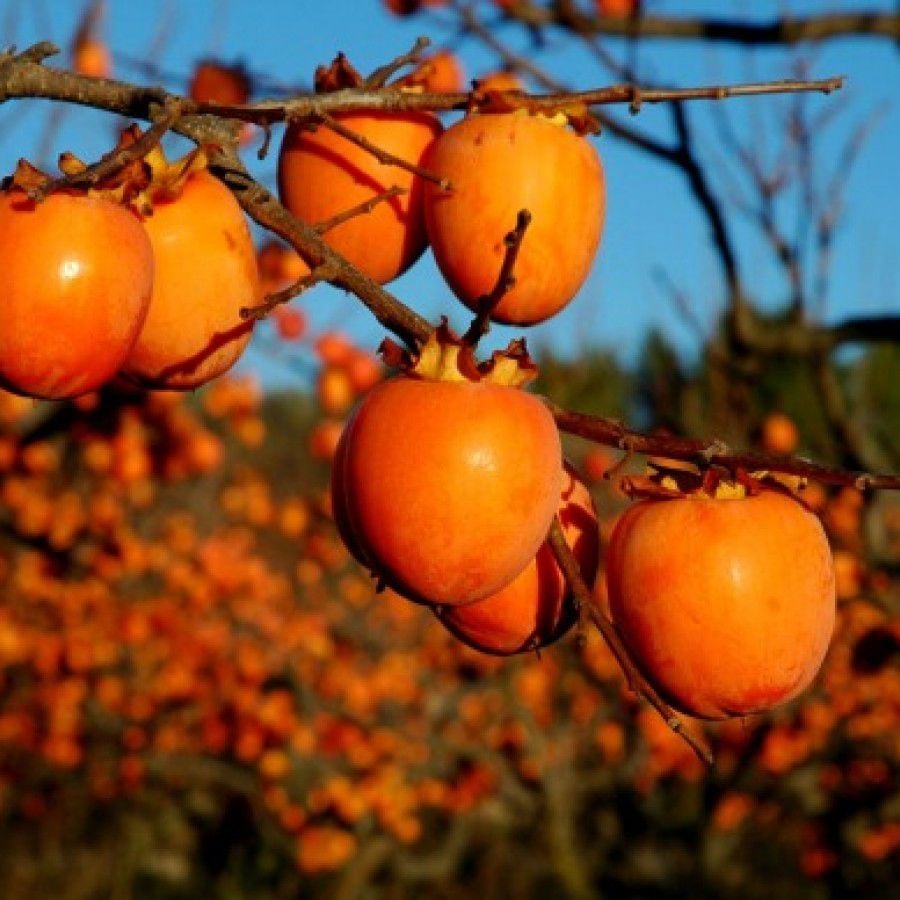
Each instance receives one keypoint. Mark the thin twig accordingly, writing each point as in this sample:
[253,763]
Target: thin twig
[360,209]
[506,280]
[276,298]
[379,78]
[587,605]
[383,156]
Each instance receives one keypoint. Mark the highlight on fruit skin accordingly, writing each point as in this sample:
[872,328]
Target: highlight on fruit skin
[498,164]
[536,608]
[726,605]
[72,310]
[432,488]
[206,273]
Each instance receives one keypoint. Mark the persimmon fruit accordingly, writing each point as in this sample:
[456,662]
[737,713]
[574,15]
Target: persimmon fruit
[726,605]
[535,608]
[321,174]
[206,272]
[436,488]
[499,164]
[76,280]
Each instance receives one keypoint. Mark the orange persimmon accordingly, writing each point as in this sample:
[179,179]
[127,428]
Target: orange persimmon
[535,609]
[726,605]
[499,164]
[321,174]
[76,280]
[205,274]
[437,491]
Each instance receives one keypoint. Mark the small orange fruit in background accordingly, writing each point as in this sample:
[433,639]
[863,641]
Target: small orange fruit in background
[435,485]
[205,274]
[727,605]
[76,280]
[779,434]
[535,609]
[499,164]
[92,57]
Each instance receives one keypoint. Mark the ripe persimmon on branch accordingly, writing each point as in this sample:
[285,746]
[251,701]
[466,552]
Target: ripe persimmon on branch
[518,291]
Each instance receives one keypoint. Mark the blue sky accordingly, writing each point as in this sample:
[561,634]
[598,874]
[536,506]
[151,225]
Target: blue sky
[653,224]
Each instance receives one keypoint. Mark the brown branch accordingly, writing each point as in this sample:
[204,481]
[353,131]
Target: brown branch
[587,605]
[314,107]
[783,31]
[712,453]
[486,305]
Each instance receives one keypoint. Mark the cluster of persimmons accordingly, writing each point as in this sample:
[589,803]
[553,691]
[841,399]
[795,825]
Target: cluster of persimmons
[445,481]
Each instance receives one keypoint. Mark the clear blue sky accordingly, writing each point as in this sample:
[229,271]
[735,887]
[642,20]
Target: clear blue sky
[653,223]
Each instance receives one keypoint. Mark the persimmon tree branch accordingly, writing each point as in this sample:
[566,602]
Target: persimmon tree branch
[786,30]
[703,453]
[588,606]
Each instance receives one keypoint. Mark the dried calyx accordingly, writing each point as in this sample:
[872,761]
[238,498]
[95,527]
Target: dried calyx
[138,183]
[447,357]
[672,480]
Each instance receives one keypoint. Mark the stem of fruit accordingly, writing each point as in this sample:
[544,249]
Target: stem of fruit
[587,604]
[486,305]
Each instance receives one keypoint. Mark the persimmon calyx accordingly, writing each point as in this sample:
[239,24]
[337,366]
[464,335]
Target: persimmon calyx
[577,116]
[684,481]
[447,357]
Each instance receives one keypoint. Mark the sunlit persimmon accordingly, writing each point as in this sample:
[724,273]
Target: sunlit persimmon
[364,371]
[75,281]
[497,165]
[322,174]
[205,274]
[534,609]
[727,605]
[425,449]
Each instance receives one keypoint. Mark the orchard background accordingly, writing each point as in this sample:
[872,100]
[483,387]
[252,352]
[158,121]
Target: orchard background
[200,693]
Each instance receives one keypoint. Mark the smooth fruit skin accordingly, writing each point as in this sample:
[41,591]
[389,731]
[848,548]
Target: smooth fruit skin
[449,487]
[727,606]
[75,284]
[536,608]
[321,174]
[499,164]
[205,273]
